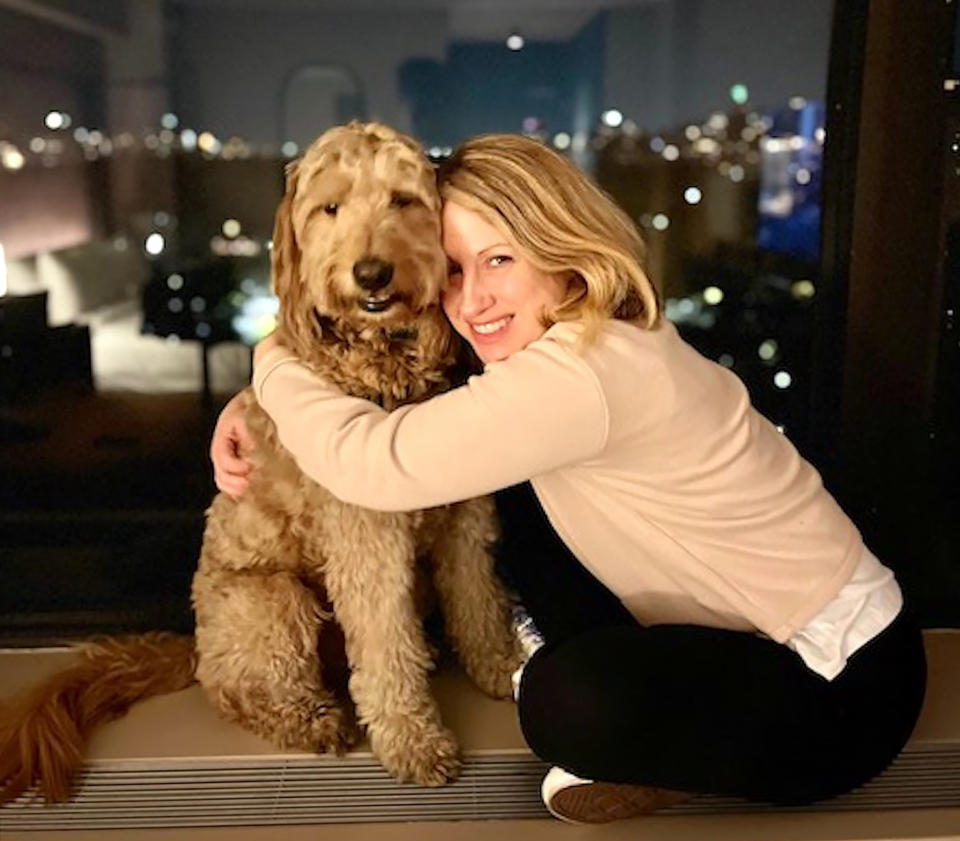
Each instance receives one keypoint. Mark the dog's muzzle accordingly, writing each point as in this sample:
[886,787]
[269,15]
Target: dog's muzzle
[373,276]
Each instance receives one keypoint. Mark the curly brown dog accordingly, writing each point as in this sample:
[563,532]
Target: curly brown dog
[357,265]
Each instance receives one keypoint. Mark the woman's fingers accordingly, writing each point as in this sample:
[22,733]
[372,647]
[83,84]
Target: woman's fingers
[230,459]
[231,484]
[240,436]
[231,441]
[225,452]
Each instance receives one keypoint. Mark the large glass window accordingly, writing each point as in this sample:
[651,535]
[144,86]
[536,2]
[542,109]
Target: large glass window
[142,150]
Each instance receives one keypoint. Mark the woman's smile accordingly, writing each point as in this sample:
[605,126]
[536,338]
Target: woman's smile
[491,328]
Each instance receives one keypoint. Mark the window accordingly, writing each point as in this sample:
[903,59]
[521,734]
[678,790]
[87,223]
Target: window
[142,155]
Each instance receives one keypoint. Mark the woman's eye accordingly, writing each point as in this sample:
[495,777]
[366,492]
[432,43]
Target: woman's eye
[499,260]
[453,271]
[401,200]
[331,208]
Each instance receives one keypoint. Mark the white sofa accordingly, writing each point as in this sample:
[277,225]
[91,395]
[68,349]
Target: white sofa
[100,284]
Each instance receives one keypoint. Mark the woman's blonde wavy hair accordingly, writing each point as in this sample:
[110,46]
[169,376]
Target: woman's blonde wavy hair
[561,221]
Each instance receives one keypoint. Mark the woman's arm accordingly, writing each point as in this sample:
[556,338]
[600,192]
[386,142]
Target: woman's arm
[538,410]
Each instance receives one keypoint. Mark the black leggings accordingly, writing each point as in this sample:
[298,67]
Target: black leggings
[691,708]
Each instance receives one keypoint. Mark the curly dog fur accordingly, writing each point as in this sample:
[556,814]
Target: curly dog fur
[358,269]
[289,577]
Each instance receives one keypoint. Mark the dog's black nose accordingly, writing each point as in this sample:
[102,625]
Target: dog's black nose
[372,274]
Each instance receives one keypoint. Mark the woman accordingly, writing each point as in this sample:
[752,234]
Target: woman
[713,621]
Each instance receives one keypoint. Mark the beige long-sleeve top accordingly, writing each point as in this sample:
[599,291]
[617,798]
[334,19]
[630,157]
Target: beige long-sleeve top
[648,459]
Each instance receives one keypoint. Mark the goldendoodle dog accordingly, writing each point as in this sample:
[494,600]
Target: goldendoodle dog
[287,571]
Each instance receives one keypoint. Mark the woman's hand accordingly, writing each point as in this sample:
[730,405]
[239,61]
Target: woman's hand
[231,438]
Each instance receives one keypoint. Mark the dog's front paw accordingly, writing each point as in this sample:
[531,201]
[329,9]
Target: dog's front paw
[334,731]
[436,761]
[423,752]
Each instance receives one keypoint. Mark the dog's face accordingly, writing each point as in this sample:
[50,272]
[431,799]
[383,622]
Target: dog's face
[357,236]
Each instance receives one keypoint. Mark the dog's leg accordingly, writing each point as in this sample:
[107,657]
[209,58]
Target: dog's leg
[257,649]
[474,604]
[370,578]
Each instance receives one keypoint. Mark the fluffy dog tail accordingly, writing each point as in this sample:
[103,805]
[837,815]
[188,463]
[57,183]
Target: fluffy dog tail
[43,732]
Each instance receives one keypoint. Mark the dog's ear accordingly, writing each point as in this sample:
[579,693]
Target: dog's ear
[296,323]
[285,258]
[285,263]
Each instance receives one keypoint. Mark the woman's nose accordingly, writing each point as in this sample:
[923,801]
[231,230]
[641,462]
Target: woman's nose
[475,297]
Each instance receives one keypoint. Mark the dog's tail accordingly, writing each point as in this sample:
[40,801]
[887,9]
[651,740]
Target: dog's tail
[43,732]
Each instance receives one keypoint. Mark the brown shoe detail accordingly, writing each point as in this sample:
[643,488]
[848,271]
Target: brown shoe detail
[604,802]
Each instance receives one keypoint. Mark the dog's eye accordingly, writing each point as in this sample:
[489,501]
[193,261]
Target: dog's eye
[401,200]
[330,209]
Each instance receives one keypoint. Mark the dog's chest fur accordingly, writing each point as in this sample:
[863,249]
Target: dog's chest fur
[289,520]
[390,367]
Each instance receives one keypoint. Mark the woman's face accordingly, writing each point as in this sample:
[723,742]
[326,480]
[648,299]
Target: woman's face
[494,297]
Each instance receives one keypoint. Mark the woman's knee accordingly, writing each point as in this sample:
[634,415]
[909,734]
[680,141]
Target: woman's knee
[565,707]
[547,694]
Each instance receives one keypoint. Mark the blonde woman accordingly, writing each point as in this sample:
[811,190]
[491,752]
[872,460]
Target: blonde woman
[712,620]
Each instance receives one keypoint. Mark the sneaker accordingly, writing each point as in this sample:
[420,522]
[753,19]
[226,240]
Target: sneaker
[526,631]
[529,639]
[576,800]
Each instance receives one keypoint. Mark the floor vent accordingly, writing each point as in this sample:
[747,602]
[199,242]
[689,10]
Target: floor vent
[314,790]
